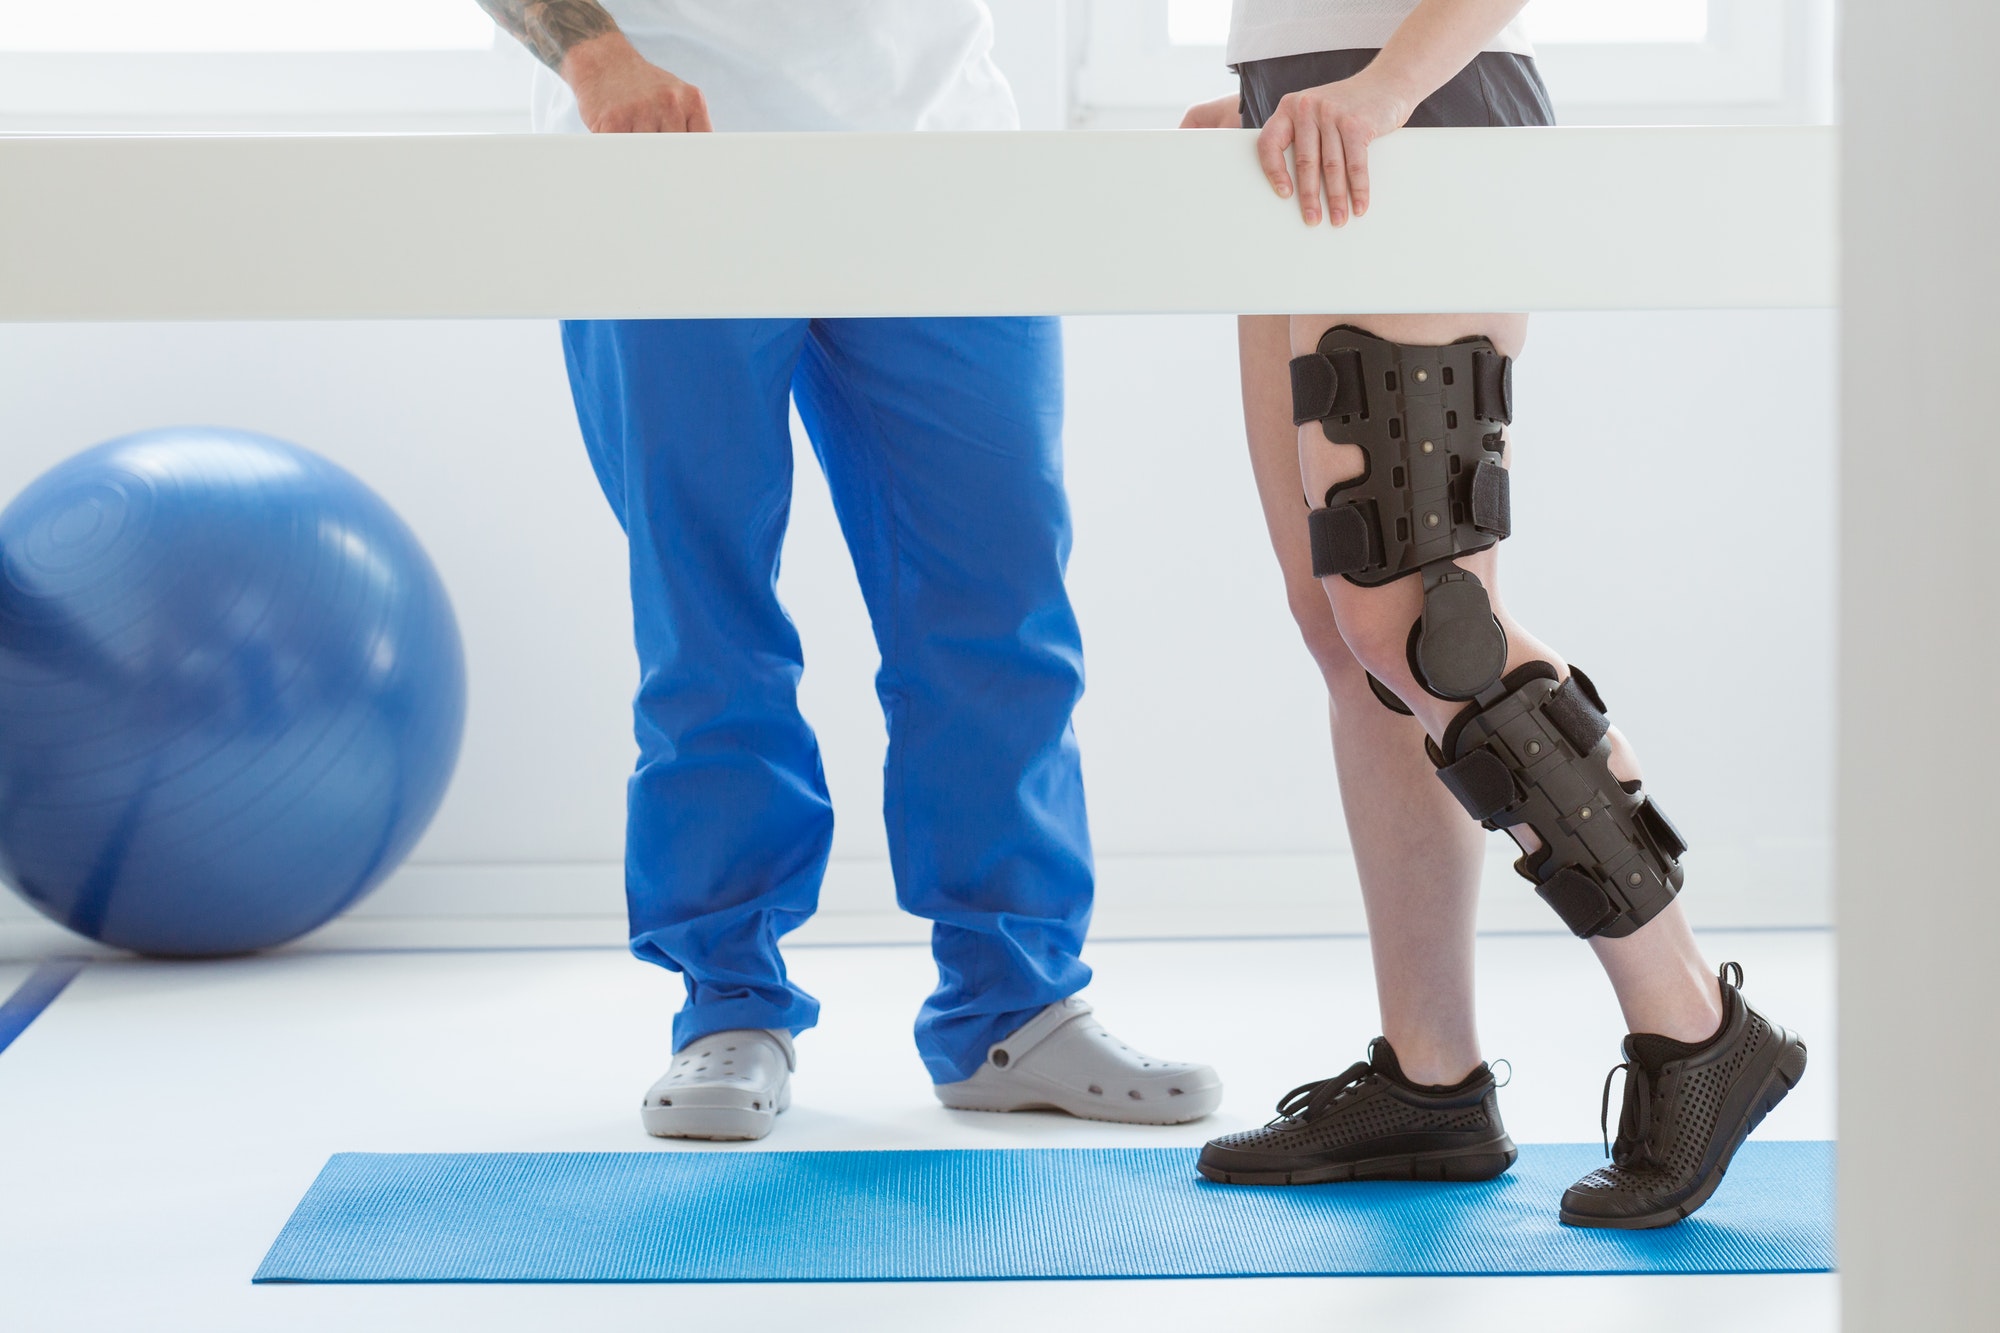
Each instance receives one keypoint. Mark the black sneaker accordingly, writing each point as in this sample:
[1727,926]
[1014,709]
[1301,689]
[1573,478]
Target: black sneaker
[1687,1110]
[1370,1123]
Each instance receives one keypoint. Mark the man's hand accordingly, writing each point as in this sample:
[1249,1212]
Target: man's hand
[1224,113]
[620,92]
[617,89]
[1328,129]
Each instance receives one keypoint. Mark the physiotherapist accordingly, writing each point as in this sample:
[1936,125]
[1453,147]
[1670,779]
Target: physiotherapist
[941,440]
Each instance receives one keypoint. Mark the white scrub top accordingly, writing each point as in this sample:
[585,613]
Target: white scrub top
[1263,29]
[815,64]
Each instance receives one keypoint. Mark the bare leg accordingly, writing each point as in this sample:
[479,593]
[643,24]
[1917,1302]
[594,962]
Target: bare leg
[1662,981]
[1418,854]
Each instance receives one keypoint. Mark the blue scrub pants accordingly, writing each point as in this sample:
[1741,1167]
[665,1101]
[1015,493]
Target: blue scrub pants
[941,443]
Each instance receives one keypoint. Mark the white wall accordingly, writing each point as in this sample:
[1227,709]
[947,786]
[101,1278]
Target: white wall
[1031,45]
[1674,499]
[1680,549]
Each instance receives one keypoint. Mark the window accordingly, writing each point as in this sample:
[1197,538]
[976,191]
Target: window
[1206,22]
[250,65]
[1198,22]
[1629,62]
[1559,21]
[127,26]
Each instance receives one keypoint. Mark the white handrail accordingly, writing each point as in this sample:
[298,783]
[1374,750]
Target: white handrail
[313,227]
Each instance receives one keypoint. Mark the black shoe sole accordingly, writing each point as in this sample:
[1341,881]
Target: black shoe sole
[1482,1161]
[1785,1074]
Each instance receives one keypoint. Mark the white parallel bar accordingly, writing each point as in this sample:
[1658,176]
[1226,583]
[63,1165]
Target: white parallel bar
[906,224]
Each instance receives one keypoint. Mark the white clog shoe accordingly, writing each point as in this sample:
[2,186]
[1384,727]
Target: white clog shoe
[1062,1059]
[727,1085]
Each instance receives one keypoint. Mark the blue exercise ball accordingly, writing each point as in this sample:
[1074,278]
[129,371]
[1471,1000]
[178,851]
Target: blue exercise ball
[231,692]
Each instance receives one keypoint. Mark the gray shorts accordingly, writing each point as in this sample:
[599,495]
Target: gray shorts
[1497,88]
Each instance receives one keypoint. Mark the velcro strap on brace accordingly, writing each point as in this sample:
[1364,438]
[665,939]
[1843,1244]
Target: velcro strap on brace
[1483,784]
[1589,688]
[1577,899]
[1327,385]
[1345,538]
[1581,724]
[1493,386]
[1534,753]
[1492,511]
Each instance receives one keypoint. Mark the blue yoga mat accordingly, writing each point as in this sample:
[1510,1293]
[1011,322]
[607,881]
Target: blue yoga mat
[32,996]
[1066,1213]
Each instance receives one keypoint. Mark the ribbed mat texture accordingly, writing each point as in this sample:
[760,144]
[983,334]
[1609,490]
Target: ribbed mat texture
[708,1216]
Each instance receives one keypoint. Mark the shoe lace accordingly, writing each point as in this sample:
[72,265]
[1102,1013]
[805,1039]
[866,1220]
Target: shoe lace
[1309,1101]
[1633,1149]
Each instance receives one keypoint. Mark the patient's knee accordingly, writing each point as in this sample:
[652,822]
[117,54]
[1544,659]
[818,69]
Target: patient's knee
[1376,633]
[1314,616]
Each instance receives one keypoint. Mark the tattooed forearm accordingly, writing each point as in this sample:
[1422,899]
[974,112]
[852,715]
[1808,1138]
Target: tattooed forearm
[549,28]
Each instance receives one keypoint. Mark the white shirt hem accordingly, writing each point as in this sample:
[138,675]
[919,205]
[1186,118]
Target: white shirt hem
[1296,36]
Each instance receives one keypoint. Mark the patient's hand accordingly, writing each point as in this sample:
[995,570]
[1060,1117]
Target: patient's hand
[1328,129]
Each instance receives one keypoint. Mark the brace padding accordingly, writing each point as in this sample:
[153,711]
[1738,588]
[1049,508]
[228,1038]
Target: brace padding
[1344,537]
[1386,696]
[1326,386]
[1493,385]
[1483,784]
[1580,723]
[1492,507]
[1537,755]
[1428,419]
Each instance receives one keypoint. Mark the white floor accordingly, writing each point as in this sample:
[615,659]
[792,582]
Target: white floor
[161,1120]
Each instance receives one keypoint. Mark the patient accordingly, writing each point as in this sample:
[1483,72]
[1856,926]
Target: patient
[1379,448]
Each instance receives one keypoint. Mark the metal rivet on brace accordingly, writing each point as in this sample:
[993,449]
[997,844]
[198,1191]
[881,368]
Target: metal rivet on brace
[1428,446]
[1430,520]
[1636,879]
[1423,375]
[1583,813]
[1534,747]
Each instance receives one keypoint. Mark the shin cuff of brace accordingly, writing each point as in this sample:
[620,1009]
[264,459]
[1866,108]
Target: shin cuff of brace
[1578,899]
[1535,754]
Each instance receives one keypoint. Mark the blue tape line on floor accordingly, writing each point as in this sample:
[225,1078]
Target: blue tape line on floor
[32,996]
[701,1216]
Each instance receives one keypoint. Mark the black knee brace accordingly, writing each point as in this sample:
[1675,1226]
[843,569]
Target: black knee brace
[1530,750]
[1428,419]
[1533,751]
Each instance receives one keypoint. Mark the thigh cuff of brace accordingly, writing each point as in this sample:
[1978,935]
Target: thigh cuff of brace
[1537,755]
[1428,418]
